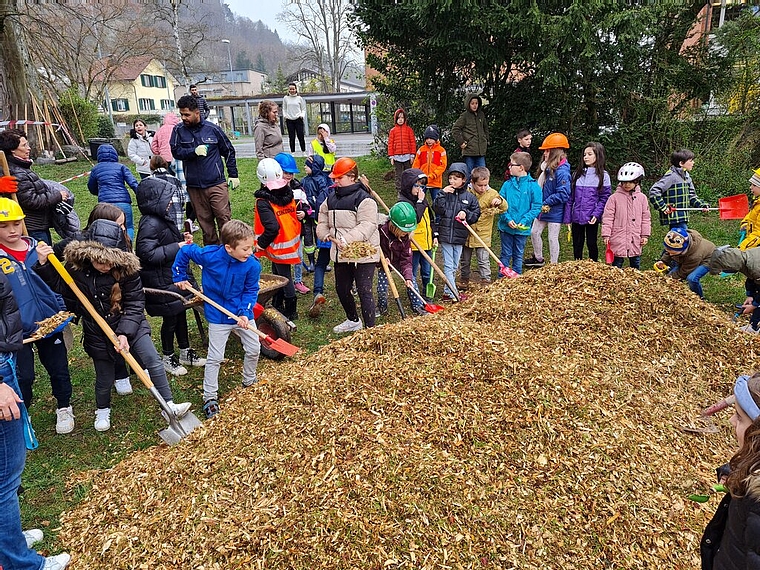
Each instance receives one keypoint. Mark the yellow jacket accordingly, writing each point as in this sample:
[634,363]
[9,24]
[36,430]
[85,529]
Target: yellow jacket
[484,226]
[751,225]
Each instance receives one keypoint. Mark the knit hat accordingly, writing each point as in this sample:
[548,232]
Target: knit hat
[677,240]
[432,132]
[755,179]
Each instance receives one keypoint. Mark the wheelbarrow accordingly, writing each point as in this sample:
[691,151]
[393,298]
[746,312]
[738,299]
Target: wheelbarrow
[268,319]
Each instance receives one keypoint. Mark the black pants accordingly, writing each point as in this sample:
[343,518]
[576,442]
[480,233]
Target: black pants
[295,128]
[174,325]
[287,292]
[585,233]
[53,356]
[362,273]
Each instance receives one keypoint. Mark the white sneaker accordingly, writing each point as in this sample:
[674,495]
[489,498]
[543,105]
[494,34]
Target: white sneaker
[189,357]
[64,422]
[172,365]
[179,409]
[123,386]
[57,562]
[33,536]
[348,326]
[748,329]
[102,421]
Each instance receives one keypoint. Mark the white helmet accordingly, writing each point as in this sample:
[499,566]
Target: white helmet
[630,172]
[268,170]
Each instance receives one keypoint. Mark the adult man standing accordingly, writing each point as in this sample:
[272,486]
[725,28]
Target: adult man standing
[201,100]
[201,146]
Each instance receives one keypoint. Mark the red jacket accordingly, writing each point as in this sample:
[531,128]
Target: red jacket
[401,139]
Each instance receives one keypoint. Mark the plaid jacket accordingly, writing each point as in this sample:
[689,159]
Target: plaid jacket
[675,189]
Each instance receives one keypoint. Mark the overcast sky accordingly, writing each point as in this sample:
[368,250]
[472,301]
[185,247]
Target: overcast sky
[264,10]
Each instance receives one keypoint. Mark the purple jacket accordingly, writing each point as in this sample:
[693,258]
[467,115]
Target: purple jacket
[586,201]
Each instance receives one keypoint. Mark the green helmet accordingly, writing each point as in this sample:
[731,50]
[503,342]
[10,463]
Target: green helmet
[403,216]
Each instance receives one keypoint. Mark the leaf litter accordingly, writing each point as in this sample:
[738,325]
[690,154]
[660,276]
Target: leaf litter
[536,425]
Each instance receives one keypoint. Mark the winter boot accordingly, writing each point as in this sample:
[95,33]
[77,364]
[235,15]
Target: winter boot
[290,309]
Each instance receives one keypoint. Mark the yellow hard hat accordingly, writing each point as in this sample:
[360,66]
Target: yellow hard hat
[10,211]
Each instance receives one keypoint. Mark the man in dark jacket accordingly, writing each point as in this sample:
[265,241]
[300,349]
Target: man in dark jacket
[200,145]
[470,131]
[202,103]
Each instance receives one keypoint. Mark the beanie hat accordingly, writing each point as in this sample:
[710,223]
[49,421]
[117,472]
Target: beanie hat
[755,179]
[432,132]
[677,240]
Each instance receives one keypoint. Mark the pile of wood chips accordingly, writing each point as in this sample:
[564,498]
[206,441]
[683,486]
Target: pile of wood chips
[537,425]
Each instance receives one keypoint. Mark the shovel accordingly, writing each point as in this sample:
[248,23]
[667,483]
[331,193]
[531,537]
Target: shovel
[429,307]
[504,271]
[278,344]
[178,427]
[392,283]
[430,287]
[729,208]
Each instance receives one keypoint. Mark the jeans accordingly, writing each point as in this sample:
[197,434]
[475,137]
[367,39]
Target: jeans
[512,250]
[53,356]
[298,267]
[451,256]
[634,262]
[128,218]
[692,280]
[473,161]
[14,554]
[41,235]
[323,260]
[681,225]
[421,264]
[217,342]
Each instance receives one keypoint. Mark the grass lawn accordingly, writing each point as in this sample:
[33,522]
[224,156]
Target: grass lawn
[52,481]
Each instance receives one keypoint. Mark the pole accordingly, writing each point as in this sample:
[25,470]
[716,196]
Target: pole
[232,81]
[107,94]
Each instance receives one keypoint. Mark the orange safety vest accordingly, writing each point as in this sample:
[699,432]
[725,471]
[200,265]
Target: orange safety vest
[284,248]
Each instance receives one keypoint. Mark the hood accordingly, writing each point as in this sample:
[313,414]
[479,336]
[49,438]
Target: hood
[107,153]
[397,113]
[460,167]
[107,233]
[728,259]
[81,254]
[470,97]
[281,197]
[342,191]
[154,196]
[133,134]
[316,163]
[171,119]
[325,127]
[408,178]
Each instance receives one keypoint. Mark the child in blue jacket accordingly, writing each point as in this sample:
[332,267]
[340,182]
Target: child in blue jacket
[317,185]
[231,278]
[107,180]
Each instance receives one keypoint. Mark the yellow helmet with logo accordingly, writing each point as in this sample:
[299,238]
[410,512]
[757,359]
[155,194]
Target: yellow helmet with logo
[10,211]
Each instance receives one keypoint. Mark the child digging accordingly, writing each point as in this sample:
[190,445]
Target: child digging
[231,278]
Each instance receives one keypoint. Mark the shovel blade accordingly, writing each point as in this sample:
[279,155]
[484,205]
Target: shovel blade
[281,346]
[433,308]
[179,428]
[733,207]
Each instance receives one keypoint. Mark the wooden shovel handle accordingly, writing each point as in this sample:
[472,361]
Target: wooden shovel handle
[7,172]
[104,326]
[230,314]
[480,240]
[386,268]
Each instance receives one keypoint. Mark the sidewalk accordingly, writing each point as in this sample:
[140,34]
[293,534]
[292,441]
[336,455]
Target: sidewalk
[353,144]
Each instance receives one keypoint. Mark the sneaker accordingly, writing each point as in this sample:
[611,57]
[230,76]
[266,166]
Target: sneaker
[179,410]
[381,312]
[533,261]
[210,408]
[189,357]
[194,227]
[64,422]
[123,386]
[33,536]
[172,365]
[328,269]
[57,562]
[316,306]
[249,383]
[348,326]
[301,288]
[464,284]
[102,420]
[748,328]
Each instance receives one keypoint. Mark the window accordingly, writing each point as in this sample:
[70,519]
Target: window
[167,104]
[119,105]
[159,81]
[147,104]
[147,80]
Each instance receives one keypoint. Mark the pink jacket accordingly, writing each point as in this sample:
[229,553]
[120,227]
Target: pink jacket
[625,221]
[160,143]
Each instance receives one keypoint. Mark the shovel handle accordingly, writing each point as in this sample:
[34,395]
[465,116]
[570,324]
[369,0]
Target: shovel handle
[104,326]
[412,289]
[391,282]
[230,314]
[698,209]
[480,240]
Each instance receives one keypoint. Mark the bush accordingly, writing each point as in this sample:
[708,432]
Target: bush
[105,127]
[81,115]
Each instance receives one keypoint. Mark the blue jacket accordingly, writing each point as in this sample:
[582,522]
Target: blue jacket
[35,298]
[317,187]
[203,171]
[231,283]
[523,196]
[108,177]
[556,193]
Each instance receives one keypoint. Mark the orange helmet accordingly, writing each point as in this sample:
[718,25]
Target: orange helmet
[554,140]
[343,165]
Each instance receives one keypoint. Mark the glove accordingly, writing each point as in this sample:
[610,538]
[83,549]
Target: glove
[233,183]
[8,185]
[545,208]
[669,209]
[201,150]
[63,208]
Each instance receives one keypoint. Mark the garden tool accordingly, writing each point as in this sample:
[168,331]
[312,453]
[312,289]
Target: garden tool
[609,256]
[729,208]
[429,307]
[392,283]
[423,253]
[430,288]
[278,344]
[504,271]
[178,427]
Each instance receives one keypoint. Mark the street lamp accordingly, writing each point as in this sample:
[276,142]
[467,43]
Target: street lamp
[232,80]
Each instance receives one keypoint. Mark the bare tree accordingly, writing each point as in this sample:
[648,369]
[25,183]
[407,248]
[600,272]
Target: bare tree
[322,25]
